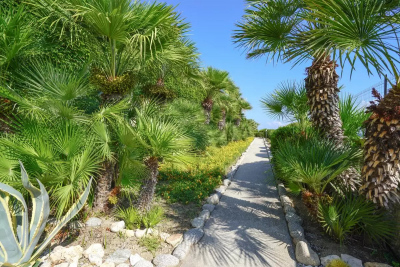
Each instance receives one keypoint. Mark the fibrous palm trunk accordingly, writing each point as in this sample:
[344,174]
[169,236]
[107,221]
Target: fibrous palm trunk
[149,185]
[104,186]
[208,105]
[222,123]
[323,99]
[380,172]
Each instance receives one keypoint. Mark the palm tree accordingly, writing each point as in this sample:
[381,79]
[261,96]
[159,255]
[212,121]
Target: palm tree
[288,102]
[128,33]
[156,139]
[216,81]
[240,105]
[362,31]
[275,29]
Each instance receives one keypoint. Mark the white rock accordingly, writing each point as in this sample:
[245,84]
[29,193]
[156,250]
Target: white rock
[95,259]
[209,207]
[68,255]
[174,240]
[94,249]
[198,222]
[64,264]
[205,214]
[326,260]
[227,182]
[46,264]
[117,226]
[130,233]
[119,256]
[193,236]
[87,265]
[143,263]
[92,222]
[164,236]
[213,199]
[221,189]
[182,250]
[305,255]
[108,264]
[123,265]
[140,233]
[352,261]
[135,259]
[74,264]
[166,260]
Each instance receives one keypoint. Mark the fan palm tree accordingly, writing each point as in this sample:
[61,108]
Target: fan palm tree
[156,139]
[127,32]
[216,81]
[288,102]
[275,29]
[362,31]
[240,106]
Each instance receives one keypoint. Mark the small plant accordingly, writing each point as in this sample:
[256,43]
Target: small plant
[151,243]
[337,263]
[131,217]
[354,214]
[153,217]
[19,238]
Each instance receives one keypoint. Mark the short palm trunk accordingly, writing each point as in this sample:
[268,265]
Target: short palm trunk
[380,172]
[104,186]
[149,185]
[207,105]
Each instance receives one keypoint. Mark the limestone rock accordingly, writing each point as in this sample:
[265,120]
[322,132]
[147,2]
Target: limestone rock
[197,222]
[68,255]
[285,200]
[164,236]
[305,255]
[119,256]
[92,222]
[166,260]
[352,261]
[288,209]
[117,226]
[143,263]
[205,214]
[281,189]
[94,249]
[376,264]
[213,199]
[123,265]
[221,189]
[95,259]
[174,240]
[193,236]
[130,233]
[182,250]
[108,264]
[140,233]
[135,259]
[209,207]
[64,264]
[326,260]
[227,182]
[293,218]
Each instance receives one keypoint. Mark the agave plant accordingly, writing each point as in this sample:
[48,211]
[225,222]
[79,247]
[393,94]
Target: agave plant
[18,238]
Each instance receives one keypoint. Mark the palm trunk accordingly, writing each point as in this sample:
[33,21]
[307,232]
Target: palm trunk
[237,122]
[208,105]
[149,185]
[104,186]
[323,98]
[222,123]
[380,172]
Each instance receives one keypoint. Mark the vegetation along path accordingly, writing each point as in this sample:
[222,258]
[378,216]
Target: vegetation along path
[247,227]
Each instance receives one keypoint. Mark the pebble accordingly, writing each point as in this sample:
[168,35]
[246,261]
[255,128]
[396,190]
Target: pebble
[166,260]
[193,236]
[197,222]
[135,259]
[117,226]
[143,263]
[209,207]
[92,222]
[119,256]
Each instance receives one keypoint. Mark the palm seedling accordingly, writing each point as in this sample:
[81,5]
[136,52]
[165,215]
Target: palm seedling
[362,31]
[19,238]
[216,81]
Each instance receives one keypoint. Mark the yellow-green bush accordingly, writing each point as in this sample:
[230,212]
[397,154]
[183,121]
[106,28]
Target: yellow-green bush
[201,178]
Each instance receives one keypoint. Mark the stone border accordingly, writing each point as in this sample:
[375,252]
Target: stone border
[194,235]
[303,251]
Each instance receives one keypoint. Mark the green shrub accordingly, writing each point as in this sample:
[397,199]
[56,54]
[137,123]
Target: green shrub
[354,214]
[153,217]
[130,216]
[337,263]
[202,177]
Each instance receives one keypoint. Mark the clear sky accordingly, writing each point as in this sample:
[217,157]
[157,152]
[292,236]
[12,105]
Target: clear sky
[213,23]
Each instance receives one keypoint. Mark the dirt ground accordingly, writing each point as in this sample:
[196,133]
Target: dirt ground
[324,245]
[177,220]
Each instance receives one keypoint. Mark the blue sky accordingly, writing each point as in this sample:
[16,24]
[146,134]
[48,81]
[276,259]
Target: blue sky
[213,22]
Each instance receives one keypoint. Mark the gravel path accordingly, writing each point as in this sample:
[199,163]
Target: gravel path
[247,228]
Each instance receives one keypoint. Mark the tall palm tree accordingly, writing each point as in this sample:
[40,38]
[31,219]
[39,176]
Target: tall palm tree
[274,29]
[216,81]
[240,106]
[277,29]
[363,31]
[288,102]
